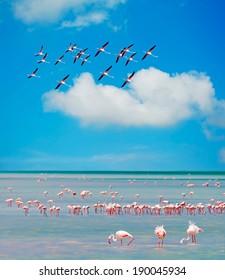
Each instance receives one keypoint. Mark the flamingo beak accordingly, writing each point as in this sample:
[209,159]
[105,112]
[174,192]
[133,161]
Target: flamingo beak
[109,241]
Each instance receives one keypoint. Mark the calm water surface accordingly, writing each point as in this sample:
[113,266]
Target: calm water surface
[85,236]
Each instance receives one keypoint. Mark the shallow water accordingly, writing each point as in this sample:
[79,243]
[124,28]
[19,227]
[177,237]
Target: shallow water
[85,236]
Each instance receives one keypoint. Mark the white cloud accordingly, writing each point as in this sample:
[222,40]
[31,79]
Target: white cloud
[52,11]
[82,21]
[154,98]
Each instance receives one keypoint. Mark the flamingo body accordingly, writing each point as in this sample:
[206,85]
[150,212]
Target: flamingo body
[102,49]
[149,52]
[120,235]
[128,79]
[105,73]
[160,233]
[40,52]
[33,74]
[62,82]
[59,60]
[191,232]
[130,58]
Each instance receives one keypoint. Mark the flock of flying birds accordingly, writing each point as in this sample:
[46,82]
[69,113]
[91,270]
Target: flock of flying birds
[85,58]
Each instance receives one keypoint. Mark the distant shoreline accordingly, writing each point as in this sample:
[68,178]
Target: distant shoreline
[124,172]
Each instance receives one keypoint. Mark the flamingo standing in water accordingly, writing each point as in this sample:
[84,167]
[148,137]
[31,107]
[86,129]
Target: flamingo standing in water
[119,236]
[62,82]
[102,49]
[128,79]
[160,233]
[191,231]
[33,74]
[149,52]
[105,73]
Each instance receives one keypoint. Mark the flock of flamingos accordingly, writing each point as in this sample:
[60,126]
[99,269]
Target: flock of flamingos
[112,208]
[84,57]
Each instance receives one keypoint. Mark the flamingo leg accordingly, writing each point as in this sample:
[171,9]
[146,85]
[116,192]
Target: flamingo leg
[121,243]
[130,241]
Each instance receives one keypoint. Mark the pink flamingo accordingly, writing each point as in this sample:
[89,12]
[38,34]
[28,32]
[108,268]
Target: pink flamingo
[9,201]
[86,60]
[33,74]
[191,194]
[70,48]
[149,52]
[57,209]
[44,59]
[45,193]
[26,210]
[40,52]
[60,194]
[62,82]
[122,52]
[79,55]
[60,60]
[128,79]
[137,195]
[105,73]
[102,49]
[127,49]
[131,58]
[119,236]
[160,233]
[191,231]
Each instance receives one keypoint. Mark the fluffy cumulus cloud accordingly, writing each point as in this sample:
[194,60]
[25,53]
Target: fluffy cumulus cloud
[52,11]
[153,98]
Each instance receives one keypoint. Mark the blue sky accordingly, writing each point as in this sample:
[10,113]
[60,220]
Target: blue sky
[170,117]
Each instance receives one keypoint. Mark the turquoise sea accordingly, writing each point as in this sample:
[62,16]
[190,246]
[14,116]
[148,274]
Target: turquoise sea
[84,236]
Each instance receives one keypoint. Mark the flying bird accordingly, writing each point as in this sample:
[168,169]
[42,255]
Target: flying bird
[75,47]
[44,59]
[122,53]
[33,74]
[60,60]
[128,79]
[130,58]
[62,82]
[120,235]
[86,60]
[105,73]
[149,52]
[102,49]
[40,52]
[127,49]
[79,55]
[70,48]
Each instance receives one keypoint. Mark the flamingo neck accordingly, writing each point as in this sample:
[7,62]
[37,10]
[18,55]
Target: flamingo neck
[113,237]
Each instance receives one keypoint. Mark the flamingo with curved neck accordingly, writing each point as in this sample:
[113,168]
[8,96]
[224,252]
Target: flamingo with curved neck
[119,236]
